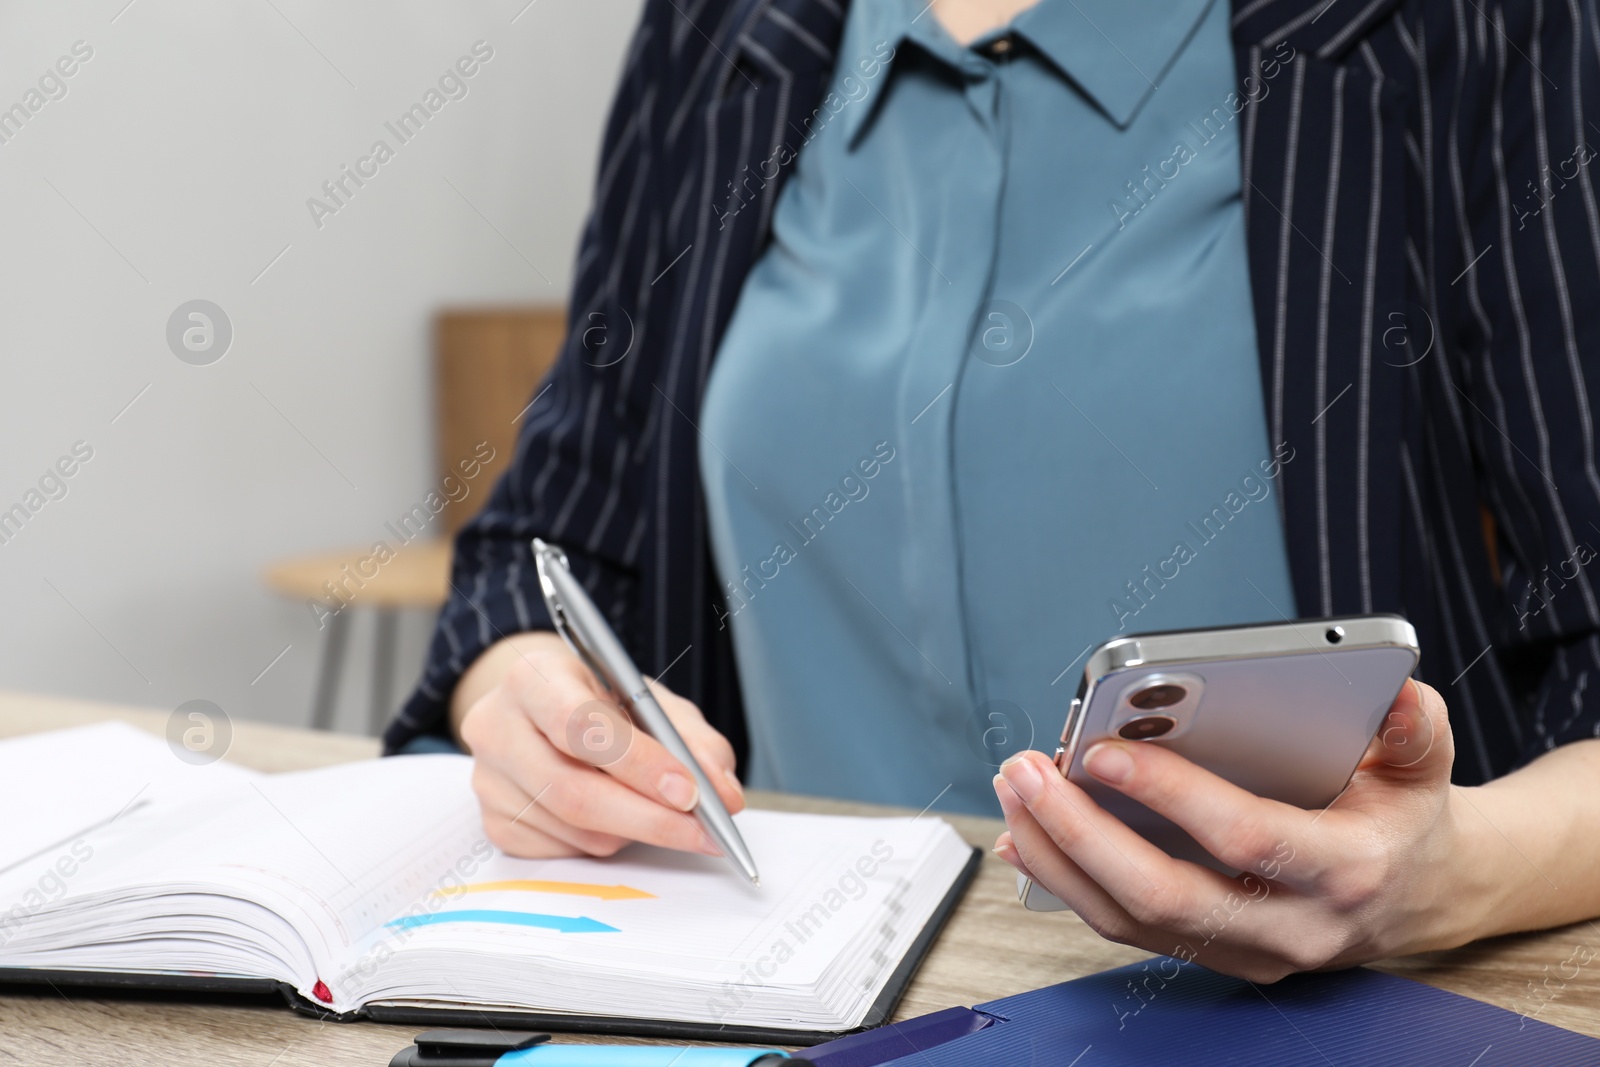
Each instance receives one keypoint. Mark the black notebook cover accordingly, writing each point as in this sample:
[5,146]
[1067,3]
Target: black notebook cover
[611,1025]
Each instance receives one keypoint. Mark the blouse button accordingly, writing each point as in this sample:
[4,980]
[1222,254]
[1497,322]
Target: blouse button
[1000,50]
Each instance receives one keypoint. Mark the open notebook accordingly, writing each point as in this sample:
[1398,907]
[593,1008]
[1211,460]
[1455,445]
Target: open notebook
[369,889]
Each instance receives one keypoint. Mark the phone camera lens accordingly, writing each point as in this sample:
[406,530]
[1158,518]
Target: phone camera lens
[1158,696]
[1146,727]
[1334,635]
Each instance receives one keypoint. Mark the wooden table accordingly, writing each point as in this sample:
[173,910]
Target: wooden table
[991,948]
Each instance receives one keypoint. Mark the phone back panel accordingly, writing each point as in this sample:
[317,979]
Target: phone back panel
[1290,727]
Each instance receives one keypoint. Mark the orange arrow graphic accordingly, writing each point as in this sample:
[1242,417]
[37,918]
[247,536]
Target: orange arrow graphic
[575,889]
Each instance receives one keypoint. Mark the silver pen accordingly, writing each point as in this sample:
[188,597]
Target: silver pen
[584,629]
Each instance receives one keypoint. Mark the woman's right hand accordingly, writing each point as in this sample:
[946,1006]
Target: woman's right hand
[559,770]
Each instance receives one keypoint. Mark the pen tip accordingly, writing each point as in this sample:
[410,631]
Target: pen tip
[755,880]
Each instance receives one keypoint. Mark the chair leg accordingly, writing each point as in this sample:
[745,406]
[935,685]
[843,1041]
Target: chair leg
[382,666]
[328,673]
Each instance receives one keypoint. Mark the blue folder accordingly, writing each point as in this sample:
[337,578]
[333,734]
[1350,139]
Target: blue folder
[1166,1012]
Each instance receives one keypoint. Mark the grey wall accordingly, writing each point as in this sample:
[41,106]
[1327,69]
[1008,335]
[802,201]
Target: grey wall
[177,165]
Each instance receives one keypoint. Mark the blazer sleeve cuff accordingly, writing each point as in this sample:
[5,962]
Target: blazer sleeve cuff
[1566,707]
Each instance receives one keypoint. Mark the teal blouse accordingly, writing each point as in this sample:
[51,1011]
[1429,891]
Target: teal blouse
[991,396]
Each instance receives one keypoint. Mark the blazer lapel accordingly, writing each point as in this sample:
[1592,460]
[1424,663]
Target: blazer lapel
[1324,28]
[1323,162]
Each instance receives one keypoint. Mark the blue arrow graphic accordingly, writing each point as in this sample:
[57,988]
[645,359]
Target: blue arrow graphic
[567,924]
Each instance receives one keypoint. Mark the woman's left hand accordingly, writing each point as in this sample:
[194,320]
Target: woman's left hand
[1379,872]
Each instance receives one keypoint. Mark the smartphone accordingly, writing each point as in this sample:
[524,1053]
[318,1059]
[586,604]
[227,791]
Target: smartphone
[1285,710]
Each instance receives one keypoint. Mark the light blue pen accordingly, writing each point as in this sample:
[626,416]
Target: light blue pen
[498,1048]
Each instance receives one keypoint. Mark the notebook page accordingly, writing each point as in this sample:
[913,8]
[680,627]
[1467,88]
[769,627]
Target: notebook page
[334,851]
[685,932]
[57,785]
[390,890]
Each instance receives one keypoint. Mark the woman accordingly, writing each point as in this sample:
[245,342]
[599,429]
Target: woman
[915,350]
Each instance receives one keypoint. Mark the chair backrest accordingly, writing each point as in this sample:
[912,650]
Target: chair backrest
[488,364]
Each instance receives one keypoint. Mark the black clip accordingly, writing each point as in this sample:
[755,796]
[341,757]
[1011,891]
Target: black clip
[464,1048]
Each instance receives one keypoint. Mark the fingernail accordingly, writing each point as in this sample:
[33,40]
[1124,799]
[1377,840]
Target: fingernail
[1005,849]
[1023,776]
[734,778]
[1108,762]
[678,791]
[1007,795]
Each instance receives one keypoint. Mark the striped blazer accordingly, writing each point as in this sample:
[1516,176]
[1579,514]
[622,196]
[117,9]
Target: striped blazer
[1423,235]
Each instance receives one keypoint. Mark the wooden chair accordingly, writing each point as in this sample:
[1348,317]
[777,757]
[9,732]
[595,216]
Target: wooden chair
[487,366]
